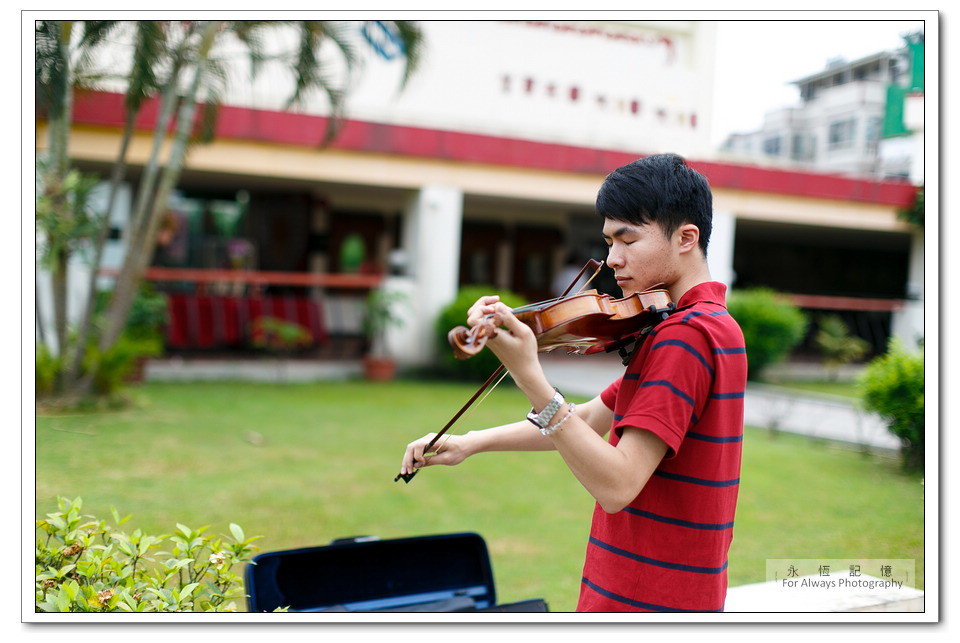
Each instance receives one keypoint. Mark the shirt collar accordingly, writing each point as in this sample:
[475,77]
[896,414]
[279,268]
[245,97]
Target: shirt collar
[714,292]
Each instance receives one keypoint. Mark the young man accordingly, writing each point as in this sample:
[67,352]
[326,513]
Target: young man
[666,480]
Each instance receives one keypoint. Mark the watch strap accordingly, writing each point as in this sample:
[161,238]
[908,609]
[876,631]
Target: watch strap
[542,419]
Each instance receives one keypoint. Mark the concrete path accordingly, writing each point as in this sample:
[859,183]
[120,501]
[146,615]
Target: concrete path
[821,416]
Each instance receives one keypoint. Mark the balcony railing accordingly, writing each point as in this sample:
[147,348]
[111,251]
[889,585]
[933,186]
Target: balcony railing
[220,310]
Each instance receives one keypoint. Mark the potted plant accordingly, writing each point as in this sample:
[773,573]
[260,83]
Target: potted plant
[380,313]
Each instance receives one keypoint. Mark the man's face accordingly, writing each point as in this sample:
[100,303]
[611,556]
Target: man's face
[640,256]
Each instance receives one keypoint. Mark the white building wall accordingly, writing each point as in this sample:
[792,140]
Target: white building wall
[644,87]
[913,118]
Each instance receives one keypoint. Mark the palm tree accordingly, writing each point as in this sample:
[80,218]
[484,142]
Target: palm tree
[149,50]
[187,54]
[63,53]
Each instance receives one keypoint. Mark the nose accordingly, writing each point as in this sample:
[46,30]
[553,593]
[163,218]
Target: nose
[614,258]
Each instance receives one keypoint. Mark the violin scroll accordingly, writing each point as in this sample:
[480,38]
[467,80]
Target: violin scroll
[467,342]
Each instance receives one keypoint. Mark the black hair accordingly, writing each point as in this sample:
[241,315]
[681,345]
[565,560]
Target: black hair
[659,189]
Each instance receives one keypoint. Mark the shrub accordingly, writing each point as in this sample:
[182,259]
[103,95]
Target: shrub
[48,366]
[771,326]
[484,363]
[892,385]
[111,368]
[84,565]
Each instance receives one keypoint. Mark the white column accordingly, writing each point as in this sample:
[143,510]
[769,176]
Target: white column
[432,226]
[720,250]
[908,323]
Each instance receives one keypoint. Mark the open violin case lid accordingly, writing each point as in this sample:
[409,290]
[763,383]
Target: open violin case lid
[439,573]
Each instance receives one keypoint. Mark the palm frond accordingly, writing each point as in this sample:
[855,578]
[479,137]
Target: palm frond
[310,71]
[409,38]
[150,54]
[251,34]
[50,68]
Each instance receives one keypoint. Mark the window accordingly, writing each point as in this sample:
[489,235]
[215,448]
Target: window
[772,146]
[874,127]
[841,133]
[797,151]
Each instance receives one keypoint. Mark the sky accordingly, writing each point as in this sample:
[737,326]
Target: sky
[757,60]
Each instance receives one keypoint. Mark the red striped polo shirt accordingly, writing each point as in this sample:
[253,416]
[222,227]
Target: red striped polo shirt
[667,550]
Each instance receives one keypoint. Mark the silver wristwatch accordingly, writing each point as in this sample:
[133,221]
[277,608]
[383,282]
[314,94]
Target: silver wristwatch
[542,419]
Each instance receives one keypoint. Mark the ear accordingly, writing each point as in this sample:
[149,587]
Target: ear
[688,238]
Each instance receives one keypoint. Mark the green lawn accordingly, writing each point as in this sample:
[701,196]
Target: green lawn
[303,464]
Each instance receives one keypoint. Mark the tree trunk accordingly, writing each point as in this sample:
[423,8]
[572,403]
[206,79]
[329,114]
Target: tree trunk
[58,277]
[139,256]
[72,368]
[121,300]
[59,126]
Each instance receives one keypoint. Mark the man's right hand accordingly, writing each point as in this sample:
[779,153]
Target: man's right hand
[449,450]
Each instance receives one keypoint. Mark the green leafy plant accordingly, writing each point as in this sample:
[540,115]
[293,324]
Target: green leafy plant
[47,367]
[380,314]
[837,345]
[148,311]
[148,314]
[64,218]
[893,386]
[278,335]
[915,213]
[481,365]
[771,325]
[85,565]
[112,368]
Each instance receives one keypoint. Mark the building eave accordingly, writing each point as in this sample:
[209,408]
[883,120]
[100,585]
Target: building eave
[103,109]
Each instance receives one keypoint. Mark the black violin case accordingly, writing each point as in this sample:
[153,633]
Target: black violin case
[439,573]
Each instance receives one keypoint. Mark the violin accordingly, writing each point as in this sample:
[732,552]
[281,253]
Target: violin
[584,323]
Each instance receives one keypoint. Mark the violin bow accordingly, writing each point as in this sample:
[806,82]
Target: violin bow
[497,375]
[407,477]
[591,264]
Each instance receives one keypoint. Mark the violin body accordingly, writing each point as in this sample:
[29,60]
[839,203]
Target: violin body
[581,323]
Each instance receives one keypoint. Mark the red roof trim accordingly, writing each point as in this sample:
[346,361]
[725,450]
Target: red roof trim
[106,109]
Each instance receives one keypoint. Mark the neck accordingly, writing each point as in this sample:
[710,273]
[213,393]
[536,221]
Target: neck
[688,279]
